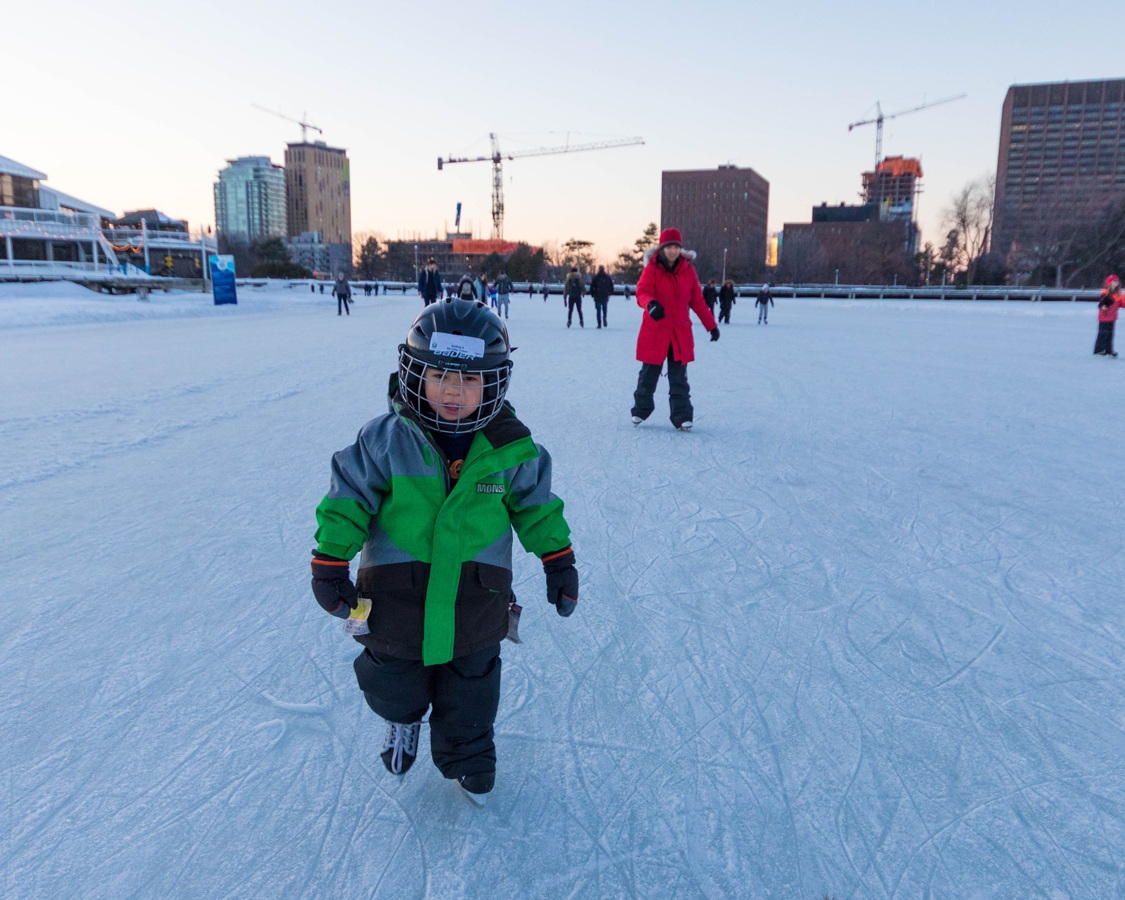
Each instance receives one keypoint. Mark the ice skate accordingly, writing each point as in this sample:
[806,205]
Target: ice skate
[400,747]
[685,426]
[637,421]
[476,787]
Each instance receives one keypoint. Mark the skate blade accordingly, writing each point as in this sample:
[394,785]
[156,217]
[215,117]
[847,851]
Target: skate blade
[478,800]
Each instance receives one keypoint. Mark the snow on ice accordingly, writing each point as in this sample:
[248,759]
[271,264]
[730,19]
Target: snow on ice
[860,634]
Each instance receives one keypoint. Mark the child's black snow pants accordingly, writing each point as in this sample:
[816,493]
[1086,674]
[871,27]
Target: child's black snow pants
[1104,343]
[679,391]
[462,695]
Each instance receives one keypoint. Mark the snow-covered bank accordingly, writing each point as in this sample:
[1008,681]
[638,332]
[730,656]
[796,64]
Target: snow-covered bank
[857,635]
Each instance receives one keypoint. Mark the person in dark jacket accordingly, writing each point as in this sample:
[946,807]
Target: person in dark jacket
[601,287]
[667,289]
[1111,300]
[726,300]
[429,495]
[710,295]
[504,290]
[466,288]
[343,292]
[573,290]
[764,301]
[429,283]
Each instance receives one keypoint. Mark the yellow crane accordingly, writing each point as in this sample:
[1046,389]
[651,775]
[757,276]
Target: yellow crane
[880,117]
[497,157]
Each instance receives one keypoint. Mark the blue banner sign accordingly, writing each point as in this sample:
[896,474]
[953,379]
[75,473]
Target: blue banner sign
[222,279]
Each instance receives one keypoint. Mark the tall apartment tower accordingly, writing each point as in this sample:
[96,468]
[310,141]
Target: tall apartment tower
[318,190]
[717,210]
[1062,158]
[250,200]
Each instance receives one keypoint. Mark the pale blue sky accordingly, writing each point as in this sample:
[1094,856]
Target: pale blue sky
[139,104]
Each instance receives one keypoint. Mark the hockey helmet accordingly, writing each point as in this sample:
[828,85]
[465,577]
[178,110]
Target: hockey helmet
[456,337]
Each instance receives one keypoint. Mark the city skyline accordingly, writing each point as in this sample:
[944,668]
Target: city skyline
[728,83]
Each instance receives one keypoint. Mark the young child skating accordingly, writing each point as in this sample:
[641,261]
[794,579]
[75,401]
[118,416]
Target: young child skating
[428,495]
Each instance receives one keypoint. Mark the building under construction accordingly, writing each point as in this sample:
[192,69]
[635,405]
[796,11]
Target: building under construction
[893,187]
[863,244]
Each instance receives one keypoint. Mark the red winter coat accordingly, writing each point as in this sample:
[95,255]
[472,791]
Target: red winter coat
[676,291]
[1109,313]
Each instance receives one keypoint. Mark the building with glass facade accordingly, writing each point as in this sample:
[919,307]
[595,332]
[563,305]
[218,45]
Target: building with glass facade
[250,200]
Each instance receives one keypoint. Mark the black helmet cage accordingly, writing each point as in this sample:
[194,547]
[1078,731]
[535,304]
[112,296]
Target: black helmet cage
[456,322]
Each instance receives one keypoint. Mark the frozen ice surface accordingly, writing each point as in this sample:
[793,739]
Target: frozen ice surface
[859,635]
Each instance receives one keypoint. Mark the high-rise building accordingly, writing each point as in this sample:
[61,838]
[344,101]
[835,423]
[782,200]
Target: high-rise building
[250,200]
[1061,160]
[722,214]
[318,191]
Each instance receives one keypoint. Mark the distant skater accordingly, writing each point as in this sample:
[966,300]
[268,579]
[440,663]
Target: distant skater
[710,295]
[1111,300]
[572,292]
[726,301]
[343,293]
[601,286]
[429,283]
[504,288]
[764,301]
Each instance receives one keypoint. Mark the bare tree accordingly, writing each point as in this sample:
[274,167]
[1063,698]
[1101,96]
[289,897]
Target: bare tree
[802,257]
[970,217]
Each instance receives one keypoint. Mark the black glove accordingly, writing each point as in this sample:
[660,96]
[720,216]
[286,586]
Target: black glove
[562,581]
[715,333]
[655,310]
[332,585]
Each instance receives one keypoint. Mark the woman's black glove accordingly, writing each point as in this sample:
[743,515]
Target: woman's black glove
[715,333]
[562,581]
[332,585]
[655,310]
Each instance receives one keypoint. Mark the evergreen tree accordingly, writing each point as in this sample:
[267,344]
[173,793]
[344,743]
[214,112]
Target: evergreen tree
[369,261]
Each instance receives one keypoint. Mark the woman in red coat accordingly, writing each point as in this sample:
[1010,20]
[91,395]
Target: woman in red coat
[1112,299]
[668,287]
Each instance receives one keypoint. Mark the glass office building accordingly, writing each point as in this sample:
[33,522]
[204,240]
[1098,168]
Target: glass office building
[250,200]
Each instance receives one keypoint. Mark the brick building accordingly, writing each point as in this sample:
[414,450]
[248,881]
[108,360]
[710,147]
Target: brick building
[717,210]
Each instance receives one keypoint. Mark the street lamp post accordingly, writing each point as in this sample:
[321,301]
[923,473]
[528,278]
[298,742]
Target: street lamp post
[724,278]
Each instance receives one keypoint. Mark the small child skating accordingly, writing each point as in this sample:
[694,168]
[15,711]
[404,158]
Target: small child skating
[1111,300]
[428,495]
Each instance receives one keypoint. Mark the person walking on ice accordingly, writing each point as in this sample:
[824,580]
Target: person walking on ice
[428,496]
[572,296]
[1111,300]
[504,290]
[764,301]
[667,289]
[343,293]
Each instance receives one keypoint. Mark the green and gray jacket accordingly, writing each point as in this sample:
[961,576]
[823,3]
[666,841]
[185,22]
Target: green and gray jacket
[437,561]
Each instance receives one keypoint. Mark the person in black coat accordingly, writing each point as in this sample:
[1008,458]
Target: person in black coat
[711,295]
[601,286]
[726,300]
[429,283]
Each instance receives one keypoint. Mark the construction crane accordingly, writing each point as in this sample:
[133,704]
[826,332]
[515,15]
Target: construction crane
[304,124]
[879,119]
[498,157]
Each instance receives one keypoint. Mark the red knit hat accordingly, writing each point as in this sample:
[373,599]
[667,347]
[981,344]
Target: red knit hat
[1111,282]
[671,236]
